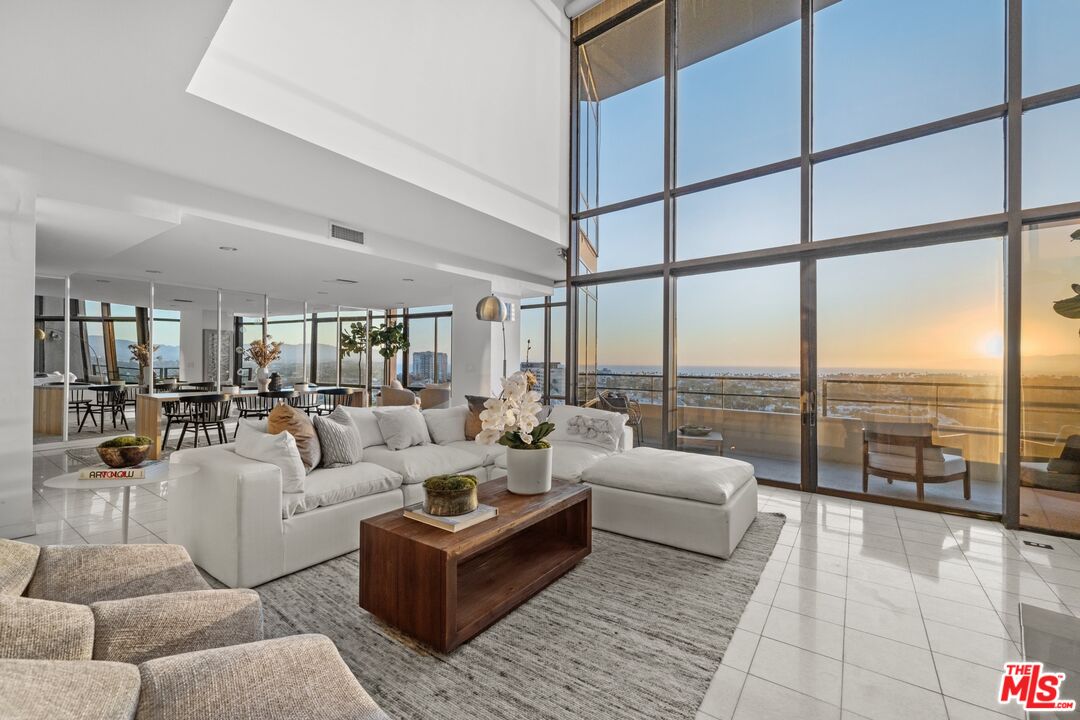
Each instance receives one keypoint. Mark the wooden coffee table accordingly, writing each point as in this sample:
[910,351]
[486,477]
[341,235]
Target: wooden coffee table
[445,588]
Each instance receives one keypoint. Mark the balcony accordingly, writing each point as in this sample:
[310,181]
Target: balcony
[760,421]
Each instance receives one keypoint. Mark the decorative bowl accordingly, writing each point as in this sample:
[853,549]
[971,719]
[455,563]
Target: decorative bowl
[695,430]
[449,495]
[123,456]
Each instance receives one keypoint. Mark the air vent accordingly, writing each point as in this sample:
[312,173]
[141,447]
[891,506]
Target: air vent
[346,281]
[181,300]
[346,233]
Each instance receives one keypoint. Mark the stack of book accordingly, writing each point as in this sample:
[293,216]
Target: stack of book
[143,471]
[452,523]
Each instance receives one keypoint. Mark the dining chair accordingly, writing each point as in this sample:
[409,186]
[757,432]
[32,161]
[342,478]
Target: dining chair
[251,407]
[308,401]
[206,411]
[330,398]
[108,398]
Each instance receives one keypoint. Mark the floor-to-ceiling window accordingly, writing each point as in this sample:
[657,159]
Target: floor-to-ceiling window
[823,218]
[543,343]
[429,333]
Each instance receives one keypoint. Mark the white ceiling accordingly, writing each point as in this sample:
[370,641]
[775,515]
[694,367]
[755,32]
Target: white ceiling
[109,79]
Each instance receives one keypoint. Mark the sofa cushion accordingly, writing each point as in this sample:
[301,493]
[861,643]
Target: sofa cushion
[330,486]
[691,476]
[367,424]
[416,464]
[290,678]
[402,428]
[950,465]
[88,573]
[486,455]
[286,418]
[83,689]
[447,425]
[339,439]
[144,628]
[568,459]
[588,426]
[45,630]
[279,450]
[17,563]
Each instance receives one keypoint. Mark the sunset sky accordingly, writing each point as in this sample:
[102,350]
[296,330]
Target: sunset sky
[928,308]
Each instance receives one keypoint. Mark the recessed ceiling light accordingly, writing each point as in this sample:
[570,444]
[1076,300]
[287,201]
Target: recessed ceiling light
[154,272]
[181,300]
[322,292]
[226,248]
[407,280]
[105,281]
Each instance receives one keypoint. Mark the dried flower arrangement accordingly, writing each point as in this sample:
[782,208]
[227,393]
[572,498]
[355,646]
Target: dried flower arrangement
[263,353]
[140,353]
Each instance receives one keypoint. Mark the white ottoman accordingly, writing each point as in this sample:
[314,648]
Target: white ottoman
[702,503]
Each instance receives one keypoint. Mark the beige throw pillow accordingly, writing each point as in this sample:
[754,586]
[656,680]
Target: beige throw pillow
[473,426]
[286,418]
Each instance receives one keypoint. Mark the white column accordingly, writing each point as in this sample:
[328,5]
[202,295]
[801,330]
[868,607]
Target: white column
[150,341]
[217,348]
[17,270]
[67,354]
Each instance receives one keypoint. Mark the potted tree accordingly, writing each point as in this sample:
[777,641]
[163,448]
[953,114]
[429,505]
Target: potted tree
[512,420]
[354,342]
[390,339]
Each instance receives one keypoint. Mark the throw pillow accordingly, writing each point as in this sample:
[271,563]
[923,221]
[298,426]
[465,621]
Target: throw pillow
[279,450]
[473,426]
[286,418]
[367,424]
[602,428]
[339,439]
[447,425]
[402,428]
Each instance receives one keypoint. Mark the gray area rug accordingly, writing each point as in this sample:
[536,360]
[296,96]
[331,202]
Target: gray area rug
[636,630]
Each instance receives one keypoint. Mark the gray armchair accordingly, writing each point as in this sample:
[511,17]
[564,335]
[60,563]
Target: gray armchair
[294,678]
[126,603]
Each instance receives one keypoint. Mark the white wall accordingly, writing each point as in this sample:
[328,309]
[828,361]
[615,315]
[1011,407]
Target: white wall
[467,99]
[17,268]
[477,345]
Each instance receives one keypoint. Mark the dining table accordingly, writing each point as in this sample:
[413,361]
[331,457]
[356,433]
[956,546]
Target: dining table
[149,419]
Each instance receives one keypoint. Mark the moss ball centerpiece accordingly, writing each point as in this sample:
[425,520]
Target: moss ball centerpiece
[448,495]
[124,452]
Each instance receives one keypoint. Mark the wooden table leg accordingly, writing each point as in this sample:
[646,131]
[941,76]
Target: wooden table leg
[148,423]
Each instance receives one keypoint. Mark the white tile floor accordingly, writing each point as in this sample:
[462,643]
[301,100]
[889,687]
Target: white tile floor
[863,611]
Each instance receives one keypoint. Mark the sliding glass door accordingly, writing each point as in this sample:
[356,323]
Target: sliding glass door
[738,368]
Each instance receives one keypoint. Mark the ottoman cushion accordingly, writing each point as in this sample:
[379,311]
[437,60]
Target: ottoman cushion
[670,473]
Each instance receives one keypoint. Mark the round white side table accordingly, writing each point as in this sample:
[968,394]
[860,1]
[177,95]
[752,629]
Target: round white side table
[71,481]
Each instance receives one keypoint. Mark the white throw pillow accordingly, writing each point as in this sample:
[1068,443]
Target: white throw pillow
[590,426]
[279,450]
[447,425]
[367,424]
[402,428]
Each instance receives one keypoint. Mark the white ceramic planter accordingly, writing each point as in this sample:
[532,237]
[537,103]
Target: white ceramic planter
[262,379]
[528,472]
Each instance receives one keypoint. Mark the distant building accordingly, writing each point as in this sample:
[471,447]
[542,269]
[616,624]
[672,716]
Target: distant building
[424,365]
[558,376]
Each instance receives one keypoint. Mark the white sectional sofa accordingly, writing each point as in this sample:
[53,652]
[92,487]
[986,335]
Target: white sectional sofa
[239,526]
